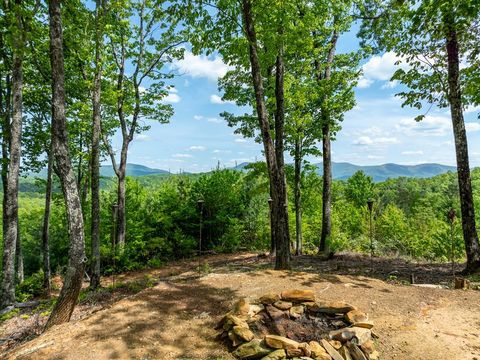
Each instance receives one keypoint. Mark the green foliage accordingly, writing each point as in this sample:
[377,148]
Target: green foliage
[31,287]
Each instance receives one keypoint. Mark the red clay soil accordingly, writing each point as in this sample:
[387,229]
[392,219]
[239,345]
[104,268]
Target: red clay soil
[175,319]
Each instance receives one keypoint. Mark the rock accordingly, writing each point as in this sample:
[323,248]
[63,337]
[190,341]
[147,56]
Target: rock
[254,349]
[241,308]
[280,342]
[374,355]
[298,295]
[269,298]
[275,313]
[356,316]
[368,347]
[294,352]
[355,334]
[307,351]
[297,311]
[355,352]
[234,338]
[336,344]
[282,305]
[231,320]
[255,309]
[279,354]
[333,307]
[318,351]
[345,353]
[243,334]
[368,324]
[331,351]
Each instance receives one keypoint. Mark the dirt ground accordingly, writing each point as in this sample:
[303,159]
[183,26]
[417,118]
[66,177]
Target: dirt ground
[175,318]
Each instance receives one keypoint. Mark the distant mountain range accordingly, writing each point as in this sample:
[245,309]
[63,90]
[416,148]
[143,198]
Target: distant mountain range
[341,170]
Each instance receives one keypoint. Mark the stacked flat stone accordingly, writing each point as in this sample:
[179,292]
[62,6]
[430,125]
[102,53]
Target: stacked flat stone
[354,342]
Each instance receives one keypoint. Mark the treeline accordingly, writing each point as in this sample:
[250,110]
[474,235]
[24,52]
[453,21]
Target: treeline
[73,75]
[409,219]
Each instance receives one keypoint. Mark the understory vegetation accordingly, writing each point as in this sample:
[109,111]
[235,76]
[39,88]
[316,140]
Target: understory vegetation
[163,218]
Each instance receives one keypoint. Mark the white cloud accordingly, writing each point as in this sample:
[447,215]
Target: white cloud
[197,148]
[378,141]
[472,127]
[211,67]
[172,97]
[182,155]
[429,126]
[410,152]
[143,137]
[390,84]
[215,99]
[364,83]
[198,117]
[240,140]
[380,68]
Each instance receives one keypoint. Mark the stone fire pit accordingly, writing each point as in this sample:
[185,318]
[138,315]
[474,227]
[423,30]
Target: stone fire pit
[296,325]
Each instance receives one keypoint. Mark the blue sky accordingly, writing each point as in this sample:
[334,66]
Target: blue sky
[377,131]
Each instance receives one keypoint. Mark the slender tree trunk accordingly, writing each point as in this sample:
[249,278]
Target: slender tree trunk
[19,255]
[121,216]
[298,197]
[11,196]
[461,148]
[73,279]
[327,190]
[46,226]
[327,156]
[95,165]
[5,146]
[277,182]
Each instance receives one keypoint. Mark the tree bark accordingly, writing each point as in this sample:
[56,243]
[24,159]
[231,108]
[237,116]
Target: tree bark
[46,226]
[95,165]
[461,147]
[272,153]
[327,155]
[327,189]
[73,279]
[121,216]
[11,196]
[298,197]
[19,255]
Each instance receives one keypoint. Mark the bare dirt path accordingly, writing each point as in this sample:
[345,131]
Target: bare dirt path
[175,318]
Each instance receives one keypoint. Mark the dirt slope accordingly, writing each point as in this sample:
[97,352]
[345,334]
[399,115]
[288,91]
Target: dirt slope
[175,319]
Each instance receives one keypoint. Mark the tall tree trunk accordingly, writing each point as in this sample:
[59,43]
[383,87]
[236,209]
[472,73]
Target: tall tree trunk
[327,155]
[5,144]
[277,182]
[461,147]
[11,196]
[46,226]
[298,197]
[121,216]
[76,257]
[19,255]
[327,190]
[95,165]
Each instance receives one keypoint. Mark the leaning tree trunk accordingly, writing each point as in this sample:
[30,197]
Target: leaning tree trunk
[46,226]
[327,155]
[461,148]
[11,196]
[76,257]
[277,183]
[95,164]
[327,190]
[298,197]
